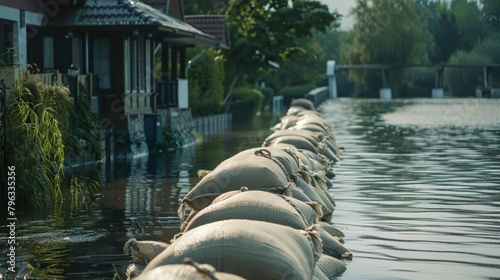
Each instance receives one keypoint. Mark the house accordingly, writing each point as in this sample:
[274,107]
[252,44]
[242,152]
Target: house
[117,41]
[19,21]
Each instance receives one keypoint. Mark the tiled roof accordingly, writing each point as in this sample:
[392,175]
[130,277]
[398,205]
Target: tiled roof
[214,25]
[115,13]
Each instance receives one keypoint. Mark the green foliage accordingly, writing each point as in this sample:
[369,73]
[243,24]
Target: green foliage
[489,47]
[304,70]
[469,22]
[84,125]
[294,92]
[386,31]
[447,37]
[464,81]
[35,145]
[267,30]
[84,194]
[491,14]
[245,103]
[206,83]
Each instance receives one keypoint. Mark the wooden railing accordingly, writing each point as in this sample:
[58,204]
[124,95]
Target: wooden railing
[138,102]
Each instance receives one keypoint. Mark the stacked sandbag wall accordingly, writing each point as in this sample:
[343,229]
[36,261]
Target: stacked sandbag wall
[264,213]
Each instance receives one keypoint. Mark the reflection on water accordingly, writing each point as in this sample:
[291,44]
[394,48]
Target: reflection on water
[418,187]
[139,199]
[417,193]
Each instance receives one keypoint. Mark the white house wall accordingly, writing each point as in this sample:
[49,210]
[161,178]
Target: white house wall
[20,32]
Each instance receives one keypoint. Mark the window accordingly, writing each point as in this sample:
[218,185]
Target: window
[48,54]
[6,39]
[137,65]
[102,62]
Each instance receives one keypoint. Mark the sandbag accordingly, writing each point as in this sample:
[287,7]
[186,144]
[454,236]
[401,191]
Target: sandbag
[285,122]
[331,229]
[296,141]
[287,159]
[295,110]
[312,137]
[319,274]
[251,249]
[189,271]
[256,172]
[143,252]
[330,266]
[320,162]
[300,195]
[314,195]
[304,103]
[258,206]
[332,246]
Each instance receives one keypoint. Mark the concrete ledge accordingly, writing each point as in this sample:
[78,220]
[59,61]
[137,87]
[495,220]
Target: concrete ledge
[385,93]
[437,93]
[318,95]
[495,93]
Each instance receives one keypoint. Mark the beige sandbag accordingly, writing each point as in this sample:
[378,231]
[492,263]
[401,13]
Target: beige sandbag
[285,122]
[251,249]
[189,271]
[300,195]
[256,172]
[304,103]
[332,246]
[296,141]
[312,137]
[289,162]
[258,206]
[319,274]
[331,229]
[322,160]
[330,266]
[315,195]
[143,251]
[295,110]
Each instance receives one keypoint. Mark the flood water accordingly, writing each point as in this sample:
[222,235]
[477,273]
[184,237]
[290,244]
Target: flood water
[417,193]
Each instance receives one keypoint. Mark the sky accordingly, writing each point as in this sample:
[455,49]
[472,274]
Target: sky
[343,7]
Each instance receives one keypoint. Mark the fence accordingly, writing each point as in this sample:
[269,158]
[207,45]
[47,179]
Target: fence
[210,126]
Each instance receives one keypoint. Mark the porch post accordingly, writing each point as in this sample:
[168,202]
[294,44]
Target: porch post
[174,62]
[182,58]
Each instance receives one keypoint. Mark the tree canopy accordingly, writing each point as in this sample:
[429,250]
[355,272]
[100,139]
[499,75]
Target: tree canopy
[268,30]
[386,31]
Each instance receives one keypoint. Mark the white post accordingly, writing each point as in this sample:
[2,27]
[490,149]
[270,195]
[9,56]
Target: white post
[332,81]
[385,93]
[437,93]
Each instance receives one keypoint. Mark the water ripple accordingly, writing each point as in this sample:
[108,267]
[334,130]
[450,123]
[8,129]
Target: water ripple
[418,188]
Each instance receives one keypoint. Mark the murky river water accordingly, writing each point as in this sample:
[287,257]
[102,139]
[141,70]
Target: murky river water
[417,192]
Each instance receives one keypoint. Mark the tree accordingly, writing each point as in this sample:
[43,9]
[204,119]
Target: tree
[491,14]
[469,22]
[386,31]
[267,31]
[447,37]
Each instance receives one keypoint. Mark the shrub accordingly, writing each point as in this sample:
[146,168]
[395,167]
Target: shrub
[206,84]
[464,81]
[245,103]
[489,47]
[35,146]
[294,92]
